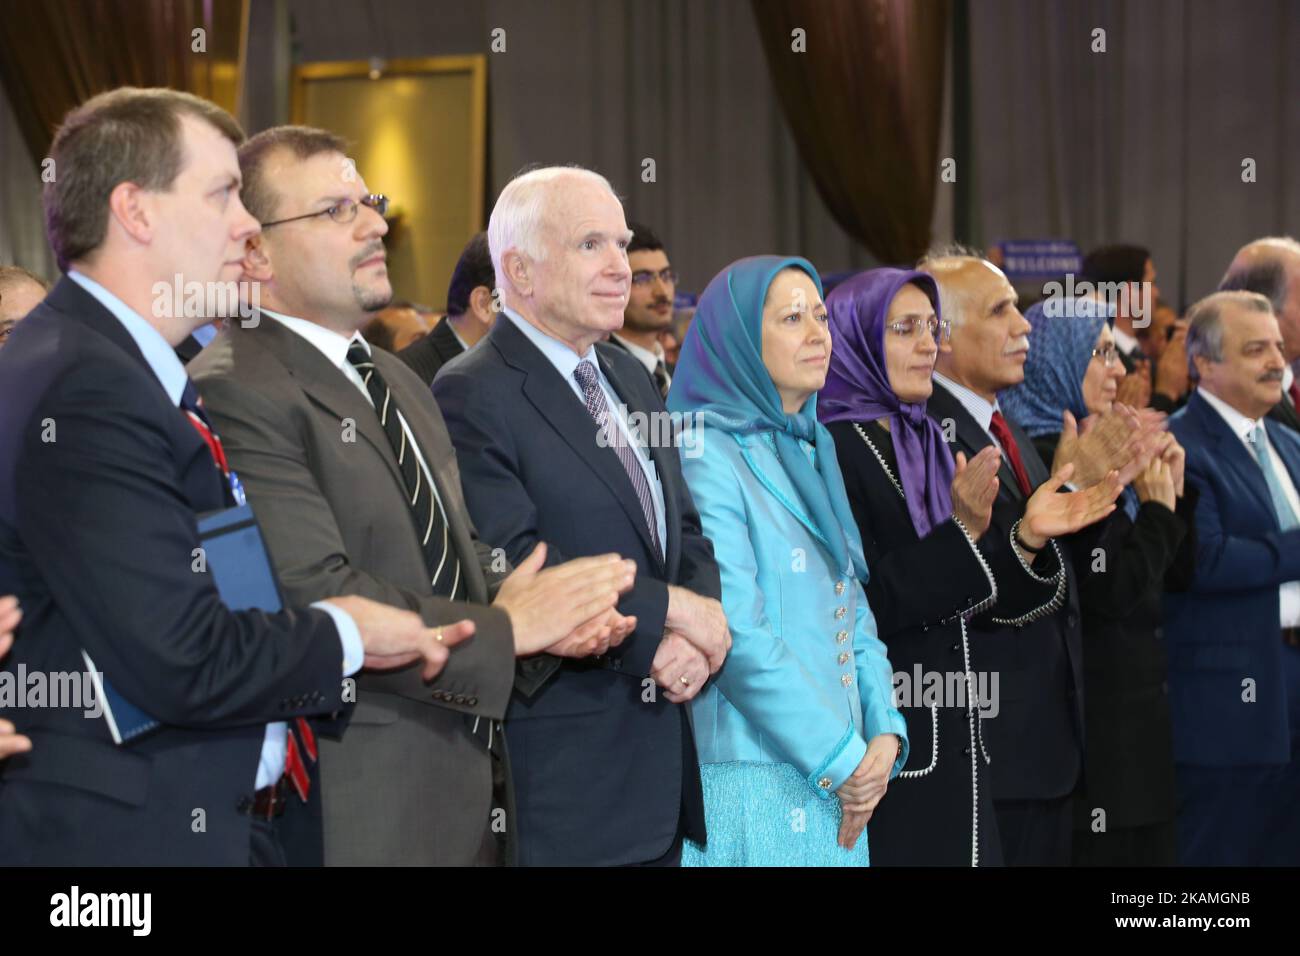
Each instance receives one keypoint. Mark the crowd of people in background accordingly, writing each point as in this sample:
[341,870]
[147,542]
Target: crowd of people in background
[914,578]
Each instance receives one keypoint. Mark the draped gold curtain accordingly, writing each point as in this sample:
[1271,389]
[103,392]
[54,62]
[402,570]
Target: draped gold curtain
[55,54]
[864,99]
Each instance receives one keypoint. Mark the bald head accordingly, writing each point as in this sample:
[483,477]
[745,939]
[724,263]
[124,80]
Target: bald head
[1271,267]
[989,335]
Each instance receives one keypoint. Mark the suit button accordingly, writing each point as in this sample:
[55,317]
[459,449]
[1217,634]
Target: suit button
[840,612]
[839,587]
[843,658]
[846,679]
[966,751]
[824,783]
[459,699]
[616,663]
[473,701]
[955,648]
[841,637]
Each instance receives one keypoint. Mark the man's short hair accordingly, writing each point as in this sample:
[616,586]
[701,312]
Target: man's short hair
[1263,274]
[1116,263]
[473,269]
[259,195]
[520,212]
[127,135]
[948,257]
[11,276]
[643,240]
[1205,323]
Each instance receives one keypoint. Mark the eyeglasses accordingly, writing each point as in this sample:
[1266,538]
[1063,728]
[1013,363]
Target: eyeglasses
[645,277]
[1107,355]
[342,212]
[912,326]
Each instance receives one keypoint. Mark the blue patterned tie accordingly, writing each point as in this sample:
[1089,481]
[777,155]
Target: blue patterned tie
[585,373]
[1286,516]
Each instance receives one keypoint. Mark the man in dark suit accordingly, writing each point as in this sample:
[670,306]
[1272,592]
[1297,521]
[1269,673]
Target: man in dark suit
[1234,635]
[382,516]
[604,751]
[471,310]
[1036,741]
[1271,267]
[106,461]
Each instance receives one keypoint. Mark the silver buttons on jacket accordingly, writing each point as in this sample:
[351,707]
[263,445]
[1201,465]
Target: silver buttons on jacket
[841,637]
[840,612]
[846,679]
[843,658]
[824,783]
[839,587]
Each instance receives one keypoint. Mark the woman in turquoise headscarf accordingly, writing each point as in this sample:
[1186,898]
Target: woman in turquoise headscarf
[798,736]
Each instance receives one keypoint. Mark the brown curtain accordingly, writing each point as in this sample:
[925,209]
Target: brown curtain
[55,54]
[864,102]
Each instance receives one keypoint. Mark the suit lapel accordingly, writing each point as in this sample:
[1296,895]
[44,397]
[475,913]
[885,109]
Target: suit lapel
[435,445]
[326,386]
[1227,448]
[970,437]
[445,341]
[554,400]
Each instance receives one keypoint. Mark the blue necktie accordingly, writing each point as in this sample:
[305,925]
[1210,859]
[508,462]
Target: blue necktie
[1286,516]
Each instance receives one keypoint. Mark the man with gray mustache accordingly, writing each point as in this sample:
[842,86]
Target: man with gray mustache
[1234,634]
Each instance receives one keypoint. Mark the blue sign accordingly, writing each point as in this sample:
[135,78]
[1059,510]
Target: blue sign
[1028,259]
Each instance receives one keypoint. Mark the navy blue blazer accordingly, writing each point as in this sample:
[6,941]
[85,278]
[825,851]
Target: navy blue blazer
[101,479]
[1225,629]
[602,766]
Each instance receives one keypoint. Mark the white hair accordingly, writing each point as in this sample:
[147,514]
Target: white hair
[523,212]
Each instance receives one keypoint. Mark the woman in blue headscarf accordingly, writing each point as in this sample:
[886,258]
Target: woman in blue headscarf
[920,515]
[797,735]
[1124,564]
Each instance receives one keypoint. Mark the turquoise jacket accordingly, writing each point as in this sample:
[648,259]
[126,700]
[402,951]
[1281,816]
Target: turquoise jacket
[806,682]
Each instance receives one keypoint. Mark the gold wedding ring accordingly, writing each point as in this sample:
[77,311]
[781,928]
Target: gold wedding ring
[685,680]
[438,636]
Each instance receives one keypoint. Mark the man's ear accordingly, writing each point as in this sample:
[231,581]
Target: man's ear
[482,305]
[515,267]
[257,260]
[130,207]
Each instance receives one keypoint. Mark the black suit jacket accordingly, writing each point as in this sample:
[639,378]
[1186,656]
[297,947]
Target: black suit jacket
[430,353]
[1124,567]
[1285,413]
[101,479]
[1038,734]
[919,590]
[603,763]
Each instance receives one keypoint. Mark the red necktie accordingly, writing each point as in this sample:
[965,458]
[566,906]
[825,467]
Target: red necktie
[1295,395]
[998,425]
[294,766]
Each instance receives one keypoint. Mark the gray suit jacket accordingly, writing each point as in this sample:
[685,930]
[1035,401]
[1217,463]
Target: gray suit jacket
[407,783]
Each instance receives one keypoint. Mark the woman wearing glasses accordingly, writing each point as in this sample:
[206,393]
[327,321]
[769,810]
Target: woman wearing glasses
[797,736]
[1124,811]
[920,515]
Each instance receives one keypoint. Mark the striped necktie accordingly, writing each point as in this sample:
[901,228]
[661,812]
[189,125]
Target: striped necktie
[430,523]
[598,408]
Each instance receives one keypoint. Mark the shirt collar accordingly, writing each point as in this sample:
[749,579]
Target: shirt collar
[979,408]
[1126,343]
[557,353]
[330,343]
[643,355]
[456,335]
[1241,425]
[160,356]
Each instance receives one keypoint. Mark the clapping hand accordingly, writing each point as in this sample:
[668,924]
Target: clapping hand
[10,614]
[1049,514]
[974,489]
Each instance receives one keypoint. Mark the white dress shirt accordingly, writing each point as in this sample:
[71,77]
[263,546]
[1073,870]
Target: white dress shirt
[172,376]
[566,361]
[1244,428]
[646,357]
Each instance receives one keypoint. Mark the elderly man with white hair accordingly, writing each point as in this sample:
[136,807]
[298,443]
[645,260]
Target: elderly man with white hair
[542,419]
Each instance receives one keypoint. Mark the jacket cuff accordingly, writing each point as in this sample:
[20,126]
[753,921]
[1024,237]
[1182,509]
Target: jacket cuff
[839,766]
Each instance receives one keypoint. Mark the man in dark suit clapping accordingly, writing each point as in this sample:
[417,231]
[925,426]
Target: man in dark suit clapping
[540,415]
[107,459]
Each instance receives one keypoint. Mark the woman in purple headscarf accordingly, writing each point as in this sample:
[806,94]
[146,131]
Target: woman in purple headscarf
[920,515]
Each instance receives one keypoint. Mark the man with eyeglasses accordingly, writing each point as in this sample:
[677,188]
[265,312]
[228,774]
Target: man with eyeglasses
[649,305]
[349,468]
